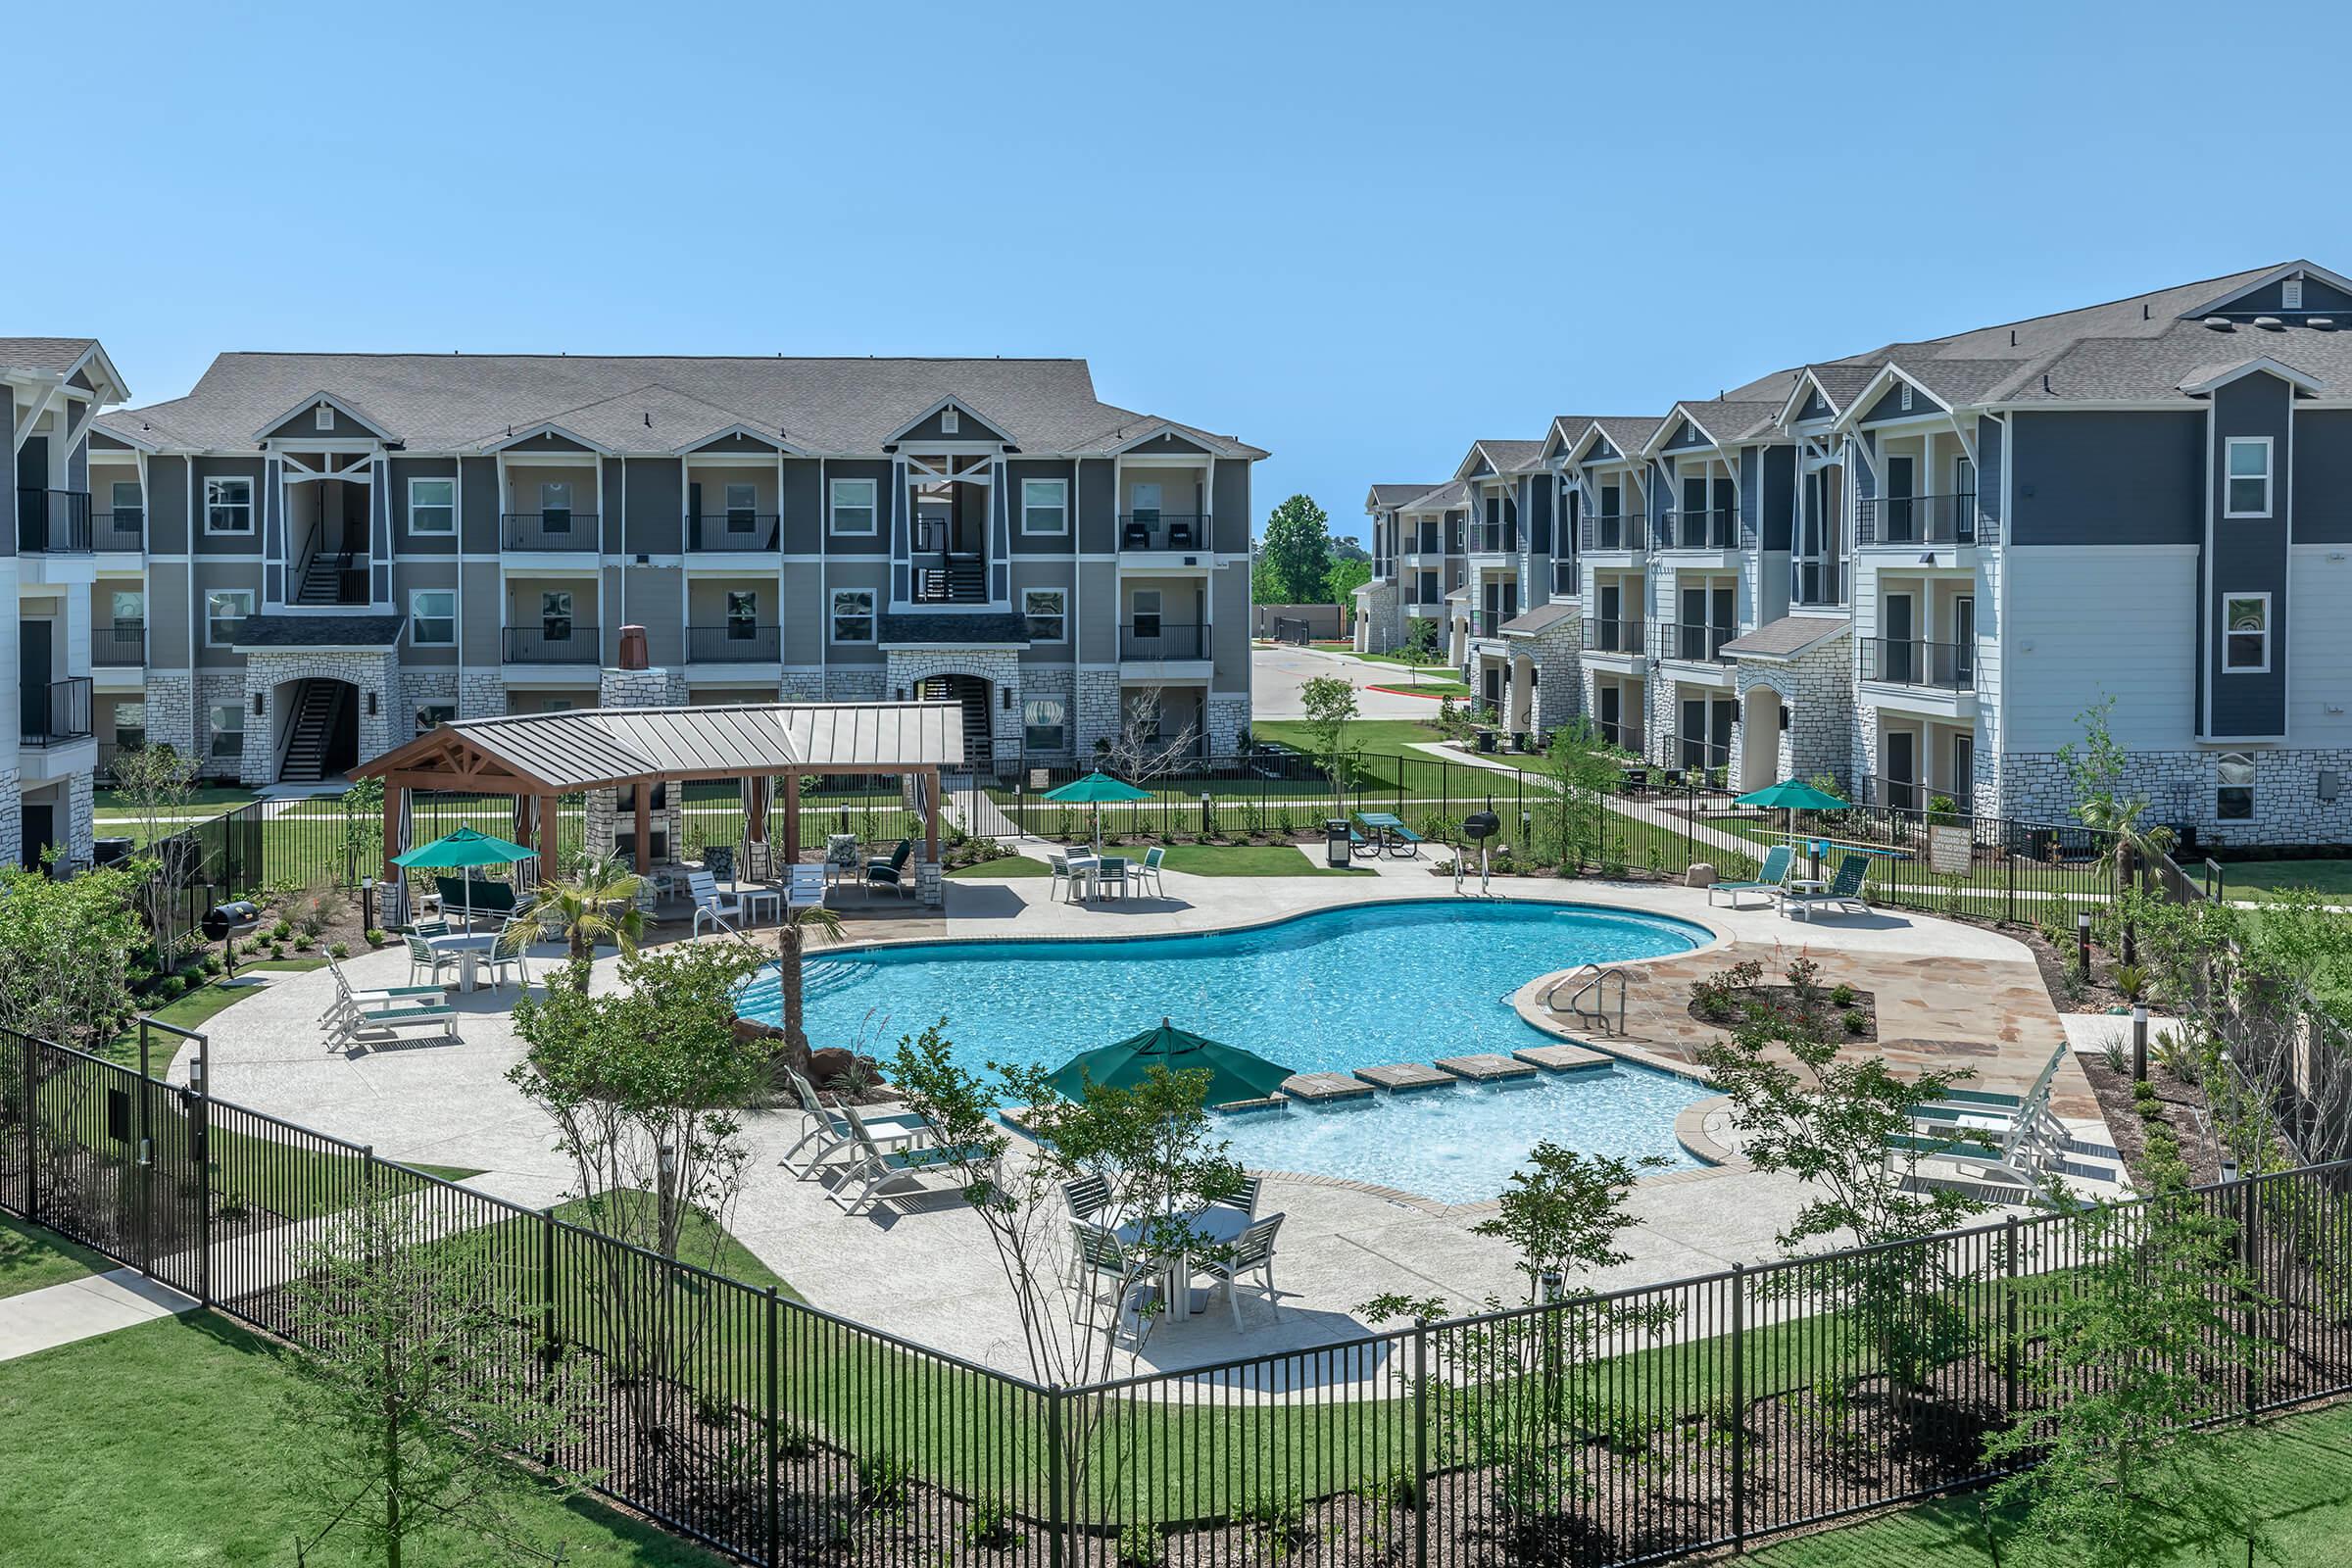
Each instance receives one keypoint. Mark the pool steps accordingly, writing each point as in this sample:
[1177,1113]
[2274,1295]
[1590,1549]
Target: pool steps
[1411,1077]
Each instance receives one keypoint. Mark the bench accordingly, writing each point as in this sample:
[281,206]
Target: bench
[1406,837]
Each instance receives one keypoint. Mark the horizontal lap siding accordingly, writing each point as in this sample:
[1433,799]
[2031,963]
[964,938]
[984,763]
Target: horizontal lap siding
[2100,621]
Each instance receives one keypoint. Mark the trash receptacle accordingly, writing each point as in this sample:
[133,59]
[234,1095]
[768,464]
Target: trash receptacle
[110,852]
[1335,841]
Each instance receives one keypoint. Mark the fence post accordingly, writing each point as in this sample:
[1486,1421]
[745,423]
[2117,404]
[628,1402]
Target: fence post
[1421,1495]
[2009,870]
[2009,1316]
[2250,1252]
[1739,1407]
[775,1416]
[547,1282]
[200,1154]
[143,1158]
[1056,1505]
[33,1128]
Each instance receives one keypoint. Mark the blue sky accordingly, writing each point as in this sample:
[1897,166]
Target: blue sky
[1358,235]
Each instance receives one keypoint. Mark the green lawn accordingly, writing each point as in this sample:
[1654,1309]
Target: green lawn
[2259,879]
[1250,859]
[1379,736]
[1009,865]
[32,1257]
[167,1444]
[2302,1479]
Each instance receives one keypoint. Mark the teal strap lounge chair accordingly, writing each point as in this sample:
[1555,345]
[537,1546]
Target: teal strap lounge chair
[1771,879]
[1845,891]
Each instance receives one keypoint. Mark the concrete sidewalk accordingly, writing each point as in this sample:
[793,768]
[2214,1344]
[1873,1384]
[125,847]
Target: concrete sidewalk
[83,1309]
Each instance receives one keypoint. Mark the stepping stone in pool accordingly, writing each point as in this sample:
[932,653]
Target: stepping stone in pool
[1564,1059]
[1403,1077]
[1486,1067]
[1314,1088]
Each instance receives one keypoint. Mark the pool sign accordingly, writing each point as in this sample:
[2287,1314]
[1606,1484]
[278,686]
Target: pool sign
[1950,851]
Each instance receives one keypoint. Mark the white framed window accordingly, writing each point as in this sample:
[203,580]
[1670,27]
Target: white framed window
[1143,502]
[432,505]
[224,612]
[2249,477]
[852,614]
[1045,505]
[127,501]
[853,505]
[2246,634]
[1042,612]
[433,617]
[1044,724]
[743,505]
[227,505]
[2233,787]
[432,716]
[225,723]
[1145,613]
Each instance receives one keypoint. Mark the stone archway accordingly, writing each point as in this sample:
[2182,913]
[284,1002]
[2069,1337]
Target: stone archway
[992,729]
[276,678]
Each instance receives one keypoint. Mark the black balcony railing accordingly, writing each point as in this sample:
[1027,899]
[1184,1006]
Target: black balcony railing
[118,644]
[555,643]
[548,530]
[1616,531]
[57,712]
[1713,529]
[736,641]
[1818,582]
[951,582]
[1917,519]
[54,522]
[120,528]
[1162,639]
[1612,636]
[732,530]
[1695,641]
[1912,661]
[1163,530]
[1494,539]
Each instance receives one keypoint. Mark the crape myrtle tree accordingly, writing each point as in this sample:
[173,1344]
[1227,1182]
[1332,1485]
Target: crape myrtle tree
[1581,767]
[1330,706]
[157,784]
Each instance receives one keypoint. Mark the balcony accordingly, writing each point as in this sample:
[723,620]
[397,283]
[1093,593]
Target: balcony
[1616,531]
[951,582]
[52,522]
[733,530]
[1898,520]
[737,641]
[1818,582]
[120,528]
[1162,640]
[555,643]
[1911,661]
[119,645]
[1163,530]
[1494,539]
[1713,529]
[1564,584]
[548,530]
[1612,636]
[1695,641]
[58,713]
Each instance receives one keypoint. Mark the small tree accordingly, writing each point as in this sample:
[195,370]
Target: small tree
[1144,749]
[1296,553]
[362,830]
[1582,766]
[417,1383]
[594,903]
[65,954]
[2103,805]
[1330,706]
[157,783]
[2145,1345]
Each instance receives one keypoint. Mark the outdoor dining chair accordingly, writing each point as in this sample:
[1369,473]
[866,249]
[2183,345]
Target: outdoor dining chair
[1100,1273]
[1253,1253]
[1147,875]
[432,960]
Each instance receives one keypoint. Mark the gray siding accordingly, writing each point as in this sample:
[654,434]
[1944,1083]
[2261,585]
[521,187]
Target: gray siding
[167,497]
[613,496]
[2249,556]
[404,543]
[2108,478]
[656,490]
[1231,505]
[212,544]
[1992,460]
[1097,507]
[1018,469]
[1776,498]
[802,507]
[2323,476]
[480,505]
[967,428]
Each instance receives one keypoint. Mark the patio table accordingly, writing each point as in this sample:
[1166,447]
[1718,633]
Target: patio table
[1385,824]
[1082,873]
[1221,1225]
[471,948]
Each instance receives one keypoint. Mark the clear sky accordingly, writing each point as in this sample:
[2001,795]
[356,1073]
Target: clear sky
[1357,235]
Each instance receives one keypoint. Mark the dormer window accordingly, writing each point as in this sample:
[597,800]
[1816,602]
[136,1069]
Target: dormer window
[324,416]
[2290,294]
[950,421]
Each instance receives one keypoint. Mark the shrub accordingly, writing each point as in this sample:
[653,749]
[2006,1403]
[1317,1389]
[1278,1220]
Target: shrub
[990,1525]
[375,936]
[882,1481]
[280,931]
[1843,995]
[339,950]
[1856,1020]
[2131,979]
[1139,1545]
[304,944]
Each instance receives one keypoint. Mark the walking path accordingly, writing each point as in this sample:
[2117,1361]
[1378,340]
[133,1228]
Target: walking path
[83,1309]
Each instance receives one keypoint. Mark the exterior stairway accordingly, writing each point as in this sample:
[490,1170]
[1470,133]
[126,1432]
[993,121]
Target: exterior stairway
[323,579]
[973,695]
[316,712]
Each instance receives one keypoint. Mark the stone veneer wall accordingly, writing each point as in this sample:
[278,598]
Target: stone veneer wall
[12,812]
[1816,690]
[1379,624]
[267,673]
[2033,786]
[170,700]
[481,694]
[1000,666]
[1558,650]
[1227,716]
[1096,713]
[606,822]
[81,825]
[421,689]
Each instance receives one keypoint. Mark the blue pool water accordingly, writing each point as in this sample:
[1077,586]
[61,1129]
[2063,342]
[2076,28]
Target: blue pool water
[1407,981]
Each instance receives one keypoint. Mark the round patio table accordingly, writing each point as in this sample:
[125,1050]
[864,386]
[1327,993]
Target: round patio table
[1220,1224]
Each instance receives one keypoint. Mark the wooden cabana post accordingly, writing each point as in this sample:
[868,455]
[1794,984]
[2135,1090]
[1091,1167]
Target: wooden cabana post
[645,826]
[792,818]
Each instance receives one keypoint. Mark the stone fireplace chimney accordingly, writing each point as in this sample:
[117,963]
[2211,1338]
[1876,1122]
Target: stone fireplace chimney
[633,654]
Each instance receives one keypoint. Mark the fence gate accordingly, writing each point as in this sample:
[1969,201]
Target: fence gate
[176,1196]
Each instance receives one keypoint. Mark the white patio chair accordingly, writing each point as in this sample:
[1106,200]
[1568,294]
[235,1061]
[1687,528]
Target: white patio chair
[721,910]
[830,1131]
[805,888]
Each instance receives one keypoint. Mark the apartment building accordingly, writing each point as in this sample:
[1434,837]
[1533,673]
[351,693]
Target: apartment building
[1914,568]
[336,550]
[61,561]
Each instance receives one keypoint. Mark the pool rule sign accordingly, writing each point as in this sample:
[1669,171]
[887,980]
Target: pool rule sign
[1949,849]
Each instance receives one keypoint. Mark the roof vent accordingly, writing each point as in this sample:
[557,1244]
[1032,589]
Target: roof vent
[2325,324]
[2220,324]
[2269,324]
[2290,294]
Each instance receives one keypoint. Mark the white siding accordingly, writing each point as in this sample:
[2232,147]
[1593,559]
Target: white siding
[2099,621]
[2318,647]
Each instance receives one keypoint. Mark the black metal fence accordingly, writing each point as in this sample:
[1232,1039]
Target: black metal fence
[1638,1425]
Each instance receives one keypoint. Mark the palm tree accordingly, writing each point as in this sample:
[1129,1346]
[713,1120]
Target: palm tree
[596,904]
[792,940]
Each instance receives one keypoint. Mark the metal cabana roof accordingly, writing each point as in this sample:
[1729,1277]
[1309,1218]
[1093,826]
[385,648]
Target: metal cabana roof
[596,748]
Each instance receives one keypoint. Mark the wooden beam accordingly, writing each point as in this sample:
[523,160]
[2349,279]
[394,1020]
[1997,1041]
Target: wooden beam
[550,814]
[792,818]
[645,827]
[931,815]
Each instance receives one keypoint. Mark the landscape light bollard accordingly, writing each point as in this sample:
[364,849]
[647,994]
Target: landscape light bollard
[367,904]
[2139,1043]
[1204,820]
[2082,941]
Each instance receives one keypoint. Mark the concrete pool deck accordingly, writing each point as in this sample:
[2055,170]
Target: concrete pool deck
[923,1269]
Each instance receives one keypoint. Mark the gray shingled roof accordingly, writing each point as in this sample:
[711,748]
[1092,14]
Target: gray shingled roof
[53,354]
[1726,420]
[1540,619]
[1396,495]
[1507,456]
[443,402]
[1453,493]
[1629,433]
[1787,637]
[963,627]
[318,631]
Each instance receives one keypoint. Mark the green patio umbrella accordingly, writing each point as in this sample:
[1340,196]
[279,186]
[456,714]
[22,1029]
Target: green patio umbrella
[1790,796]
[456,850]
[1098,790]
[1233,1073]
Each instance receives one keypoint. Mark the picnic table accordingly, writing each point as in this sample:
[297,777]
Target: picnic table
[1391,836]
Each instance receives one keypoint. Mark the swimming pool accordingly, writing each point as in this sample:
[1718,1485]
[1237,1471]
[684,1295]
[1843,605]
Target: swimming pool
[1408,980]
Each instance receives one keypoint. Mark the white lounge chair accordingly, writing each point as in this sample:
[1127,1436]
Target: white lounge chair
[721,910]
[350,997]
[830,1131]
[877,1166]
[358,1015]
[2005,1148]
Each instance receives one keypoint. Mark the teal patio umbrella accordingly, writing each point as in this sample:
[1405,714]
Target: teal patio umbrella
[1098,790]
[1233,1073]
[1790,796]
[453,852]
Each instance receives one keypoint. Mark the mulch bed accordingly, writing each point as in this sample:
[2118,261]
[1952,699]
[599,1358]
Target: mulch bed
[1782,1004]
[2182,1106]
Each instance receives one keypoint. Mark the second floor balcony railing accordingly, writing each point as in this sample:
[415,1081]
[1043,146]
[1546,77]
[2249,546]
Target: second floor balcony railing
[1494,539]
[554,642]
[118,644]
[1163,530]
[1711,528]
[1914,661]
[733,642]
[1603,636]
[52,522]
[1162,639]
[1818,582]
[732,530]
[1916,520]
[1615,531]
[118,528]
[1695,641]
[547,530]
[57,712]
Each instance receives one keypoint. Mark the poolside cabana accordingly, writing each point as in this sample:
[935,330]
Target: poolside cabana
[540,757]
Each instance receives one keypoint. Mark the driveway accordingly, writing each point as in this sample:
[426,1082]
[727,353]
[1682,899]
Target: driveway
[1276,676]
